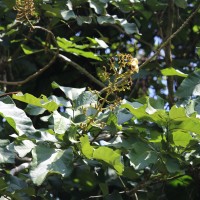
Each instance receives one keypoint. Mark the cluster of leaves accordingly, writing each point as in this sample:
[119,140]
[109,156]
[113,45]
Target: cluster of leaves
[132,146]
[84,144]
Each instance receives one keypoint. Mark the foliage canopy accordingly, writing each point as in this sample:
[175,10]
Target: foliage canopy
[79,119]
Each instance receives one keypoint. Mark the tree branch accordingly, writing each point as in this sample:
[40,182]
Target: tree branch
[82,70]
[19,168]
[39,72]
[171,37]
[162,45]
[168,52]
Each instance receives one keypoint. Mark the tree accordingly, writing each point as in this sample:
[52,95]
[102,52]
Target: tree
[80,119]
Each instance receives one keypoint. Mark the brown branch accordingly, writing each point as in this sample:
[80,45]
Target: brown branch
[39,72]
[81,70]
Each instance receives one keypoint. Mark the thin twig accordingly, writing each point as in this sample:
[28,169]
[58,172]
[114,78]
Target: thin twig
[82,70]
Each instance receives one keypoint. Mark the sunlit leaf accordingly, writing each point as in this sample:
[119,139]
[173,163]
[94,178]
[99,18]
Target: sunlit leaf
[17,119]
[42,102]
[172,72]
[86,148]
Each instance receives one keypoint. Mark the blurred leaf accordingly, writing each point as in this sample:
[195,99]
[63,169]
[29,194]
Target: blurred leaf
[181,3]
[190,85]
[181,138]
[172,72]
[68,14]
[7,154]
[27,50]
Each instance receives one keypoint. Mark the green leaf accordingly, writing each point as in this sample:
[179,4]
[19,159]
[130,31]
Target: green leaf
[142,156]
[15,184]
[98,6]
[75,49]
[180,121]
[181,138]
[190,85]
[71,93]
[86,99]
[61,123]
[17,119]
[27,50]
[34,110]
[24,148]
[105,19]
[48,160]
[67,14]
[86,148]
[42,102]
[182,181]
[7,154]
[129,28]
[181,3]
[146,112]
[172,165]
[109,156]
[173,72]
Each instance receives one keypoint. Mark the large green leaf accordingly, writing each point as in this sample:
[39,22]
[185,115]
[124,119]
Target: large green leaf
[61,123]
[109,156]
[86,148]
[71,93]
[147,112]
[181,138]
[17,119]
[24,147]
[71,47]
[178,120]
[190,85]
[49,160]
[42,102]
[172,72]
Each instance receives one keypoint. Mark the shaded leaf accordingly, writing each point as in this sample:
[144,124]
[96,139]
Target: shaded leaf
[48,160]
[190,85]
[142,156]
[7,154]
